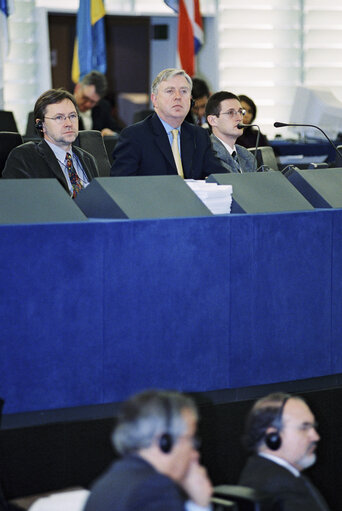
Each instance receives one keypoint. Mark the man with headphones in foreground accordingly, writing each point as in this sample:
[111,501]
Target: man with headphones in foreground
[56,120]
[159,469]
[281,432]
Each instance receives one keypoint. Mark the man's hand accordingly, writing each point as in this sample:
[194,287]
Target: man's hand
[197,485]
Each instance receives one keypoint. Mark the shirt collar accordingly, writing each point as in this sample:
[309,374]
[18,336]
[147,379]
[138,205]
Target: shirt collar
[58,151]
[281,462]
[167,126]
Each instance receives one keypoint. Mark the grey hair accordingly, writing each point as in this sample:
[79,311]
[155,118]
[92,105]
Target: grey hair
[148,415]
[166,74]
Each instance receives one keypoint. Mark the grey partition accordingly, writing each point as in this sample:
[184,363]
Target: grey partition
[321,187]
[36,201]
[262,192]
[140,197]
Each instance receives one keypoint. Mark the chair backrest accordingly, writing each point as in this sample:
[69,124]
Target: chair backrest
[92,141]
[8,140]
[247,499]
[7,121]
[30,129]
[140,115]
[110,142]
[265,156]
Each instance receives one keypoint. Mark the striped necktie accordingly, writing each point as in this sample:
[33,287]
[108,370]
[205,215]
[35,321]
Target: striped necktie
[175,152]
[236,161]
[74,178]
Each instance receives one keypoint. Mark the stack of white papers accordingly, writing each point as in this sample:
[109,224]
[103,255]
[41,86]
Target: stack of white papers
[217,198]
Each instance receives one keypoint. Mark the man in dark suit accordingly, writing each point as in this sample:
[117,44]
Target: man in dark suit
[281,432]
[159,469]
[163,144]
[56,119]
[95,111]
[224,113]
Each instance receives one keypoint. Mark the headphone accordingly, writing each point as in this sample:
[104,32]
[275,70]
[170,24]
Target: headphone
[273,439]
[39,125]
[192,102]
[166,440]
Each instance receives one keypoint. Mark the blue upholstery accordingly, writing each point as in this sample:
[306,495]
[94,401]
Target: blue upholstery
[91,312]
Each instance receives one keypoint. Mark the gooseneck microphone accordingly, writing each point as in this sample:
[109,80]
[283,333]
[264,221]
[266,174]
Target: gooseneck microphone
[283,125]
[241,126]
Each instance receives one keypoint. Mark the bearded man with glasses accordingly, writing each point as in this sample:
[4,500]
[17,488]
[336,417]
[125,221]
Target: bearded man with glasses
[224,114]
[56,120]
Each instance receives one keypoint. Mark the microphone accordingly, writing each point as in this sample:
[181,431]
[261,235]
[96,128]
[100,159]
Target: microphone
[283,125]
[241,126]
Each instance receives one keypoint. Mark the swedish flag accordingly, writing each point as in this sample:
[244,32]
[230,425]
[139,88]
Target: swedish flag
[90,47]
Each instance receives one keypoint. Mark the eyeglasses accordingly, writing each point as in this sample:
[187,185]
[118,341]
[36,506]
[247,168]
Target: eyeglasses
[62,118]
[233,113]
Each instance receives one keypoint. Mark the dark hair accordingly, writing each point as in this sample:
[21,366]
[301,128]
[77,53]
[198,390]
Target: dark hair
[249,102]
[50,97]
[148,415]
[266,412]
[214,102]
[199,88]
[98,80]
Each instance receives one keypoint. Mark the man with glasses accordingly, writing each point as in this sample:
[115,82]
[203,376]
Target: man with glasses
[163,143]
[281,434]
[56,120]
[95,112]
[159,469]
[224,114]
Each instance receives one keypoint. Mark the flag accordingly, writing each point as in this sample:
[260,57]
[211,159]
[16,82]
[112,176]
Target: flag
[6,8]
[190,31]
[90,45]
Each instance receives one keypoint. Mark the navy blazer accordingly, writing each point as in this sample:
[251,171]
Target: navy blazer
[144,149]
[290,493]
[132,484]
[246,159]
[33,160]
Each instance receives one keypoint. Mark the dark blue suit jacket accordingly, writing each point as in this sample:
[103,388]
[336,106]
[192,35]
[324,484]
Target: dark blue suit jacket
[132,484]
[143,149]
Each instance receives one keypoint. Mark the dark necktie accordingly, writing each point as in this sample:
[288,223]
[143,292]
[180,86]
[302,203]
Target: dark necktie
[74,178]
[236,161]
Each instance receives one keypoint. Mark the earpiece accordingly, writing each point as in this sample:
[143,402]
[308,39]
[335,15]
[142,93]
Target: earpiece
[192,103]
[166,443]
[273,439]
[166,439]
[39,125]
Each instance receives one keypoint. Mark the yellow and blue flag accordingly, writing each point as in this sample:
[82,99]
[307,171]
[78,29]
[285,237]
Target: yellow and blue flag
[90,44]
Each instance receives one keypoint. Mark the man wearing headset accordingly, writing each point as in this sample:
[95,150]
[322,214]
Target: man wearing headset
[56,120]
[281,432]
[159,470]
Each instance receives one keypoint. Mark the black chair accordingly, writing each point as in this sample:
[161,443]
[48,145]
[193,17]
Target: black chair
[110,142]
[247,499]
[7,122]
[140,115]
[265,156]
[31,131]
[8,140]
[92,142]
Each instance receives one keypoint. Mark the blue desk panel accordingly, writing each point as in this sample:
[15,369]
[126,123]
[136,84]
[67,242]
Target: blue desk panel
[91,312]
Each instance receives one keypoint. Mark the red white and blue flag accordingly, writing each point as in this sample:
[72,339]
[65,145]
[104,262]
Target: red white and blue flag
[190,32]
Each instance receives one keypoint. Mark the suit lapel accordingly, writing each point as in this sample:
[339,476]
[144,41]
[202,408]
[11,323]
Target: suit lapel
[162,140]
[51,161]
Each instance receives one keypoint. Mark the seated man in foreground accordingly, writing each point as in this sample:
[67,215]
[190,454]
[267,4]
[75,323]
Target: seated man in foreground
[163,143]
[56,119]
[281,431]
[159,469]
[224,115]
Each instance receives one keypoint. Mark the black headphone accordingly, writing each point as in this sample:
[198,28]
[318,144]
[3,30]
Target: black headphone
[39,125]
[273,439]
[166,439]
[192,103]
